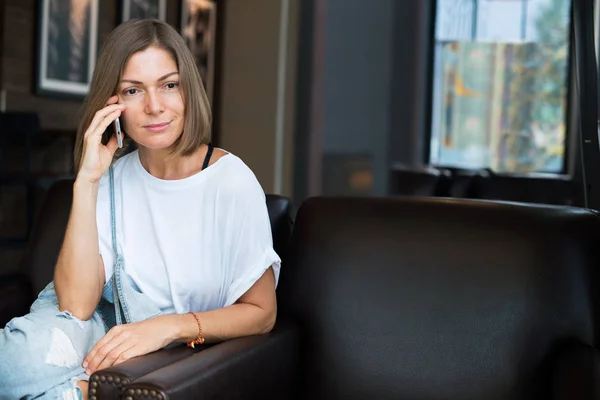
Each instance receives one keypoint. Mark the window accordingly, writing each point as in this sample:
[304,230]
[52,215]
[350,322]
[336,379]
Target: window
[500,84]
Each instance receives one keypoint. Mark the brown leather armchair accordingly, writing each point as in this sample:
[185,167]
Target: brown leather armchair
[434,298]
[18,291]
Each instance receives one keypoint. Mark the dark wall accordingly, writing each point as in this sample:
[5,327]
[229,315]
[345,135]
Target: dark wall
[357,77]
[364,87]
[18,60]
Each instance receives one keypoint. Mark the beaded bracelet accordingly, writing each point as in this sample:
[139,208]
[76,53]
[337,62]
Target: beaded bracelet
[199,339]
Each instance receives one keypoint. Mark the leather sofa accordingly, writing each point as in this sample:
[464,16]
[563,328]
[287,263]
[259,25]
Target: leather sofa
[408,298]
[429,298]
[417,298]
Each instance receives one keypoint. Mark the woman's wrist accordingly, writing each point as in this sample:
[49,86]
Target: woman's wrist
[199,339]
[181,328]
[83,185]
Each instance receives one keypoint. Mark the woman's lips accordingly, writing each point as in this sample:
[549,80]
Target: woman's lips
[157,127]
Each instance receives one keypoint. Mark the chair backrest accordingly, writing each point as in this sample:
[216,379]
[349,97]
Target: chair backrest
[463,181]
[49,230]
[529,189]
[414,298]
[47,234]
[281,214]
[411,180]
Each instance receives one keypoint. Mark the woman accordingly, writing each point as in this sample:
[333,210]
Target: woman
[175,234]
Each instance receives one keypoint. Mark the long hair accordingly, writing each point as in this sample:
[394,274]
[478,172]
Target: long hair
[125,40]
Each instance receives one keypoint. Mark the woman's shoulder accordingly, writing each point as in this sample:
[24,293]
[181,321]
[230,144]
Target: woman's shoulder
[217,154]
[235,176]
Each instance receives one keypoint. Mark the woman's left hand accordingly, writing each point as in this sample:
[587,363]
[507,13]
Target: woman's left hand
[126,341]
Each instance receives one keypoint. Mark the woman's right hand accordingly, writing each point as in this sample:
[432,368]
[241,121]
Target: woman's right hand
[97,157]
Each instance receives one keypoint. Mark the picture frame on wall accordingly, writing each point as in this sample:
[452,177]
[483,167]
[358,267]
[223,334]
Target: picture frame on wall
[140,9]
[199,30]
[66,47]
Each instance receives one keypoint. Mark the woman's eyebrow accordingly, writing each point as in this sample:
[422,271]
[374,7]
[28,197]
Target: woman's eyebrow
[162,78]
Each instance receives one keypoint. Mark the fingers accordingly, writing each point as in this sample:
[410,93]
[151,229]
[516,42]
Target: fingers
[105,339]
[127,355]
[102,113]
[100,357]
[113,143]
[101,349]
[115,354]
[102,119]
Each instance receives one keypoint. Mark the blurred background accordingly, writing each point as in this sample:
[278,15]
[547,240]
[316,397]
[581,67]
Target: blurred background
[461,98]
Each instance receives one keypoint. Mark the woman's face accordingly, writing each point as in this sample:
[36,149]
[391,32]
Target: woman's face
[149,88]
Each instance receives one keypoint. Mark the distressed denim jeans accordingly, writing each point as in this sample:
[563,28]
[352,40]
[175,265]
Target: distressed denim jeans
[41,353]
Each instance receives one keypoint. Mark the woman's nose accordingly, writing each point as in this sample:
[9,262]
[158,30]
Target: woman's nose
[153,104]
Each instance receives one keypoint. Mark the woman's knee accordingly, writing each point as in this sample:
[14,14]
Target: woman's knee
[45,348]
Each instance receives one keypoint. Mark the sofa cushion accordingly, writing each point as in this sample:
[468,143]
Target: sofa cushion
[434,298]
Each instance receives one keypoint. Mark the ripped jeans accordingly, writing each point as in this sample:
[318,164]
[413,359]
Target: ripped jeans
[41,353]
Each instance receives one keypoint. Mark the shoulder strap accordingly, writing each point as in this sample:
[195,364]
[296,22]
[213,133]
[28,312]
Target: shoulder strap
[120,315]
[208,156]
[113,219]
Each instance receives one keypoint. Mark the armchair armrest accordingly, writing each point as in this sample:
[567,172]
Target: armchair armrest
[252,367]
[108,383]
[576,373]
[15,297]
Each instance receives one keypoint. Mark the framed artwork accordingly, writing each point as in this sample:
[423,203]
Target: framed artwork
[140,9]
[66,46]
[199,30]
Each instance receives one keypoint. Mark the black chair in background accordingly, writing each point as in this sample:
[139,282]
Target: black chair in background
[17,130]
[463,181]
[411,180]
[529,188]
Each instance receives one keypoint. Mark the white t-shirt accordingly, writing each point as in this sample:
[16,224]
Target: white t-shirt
[193,244]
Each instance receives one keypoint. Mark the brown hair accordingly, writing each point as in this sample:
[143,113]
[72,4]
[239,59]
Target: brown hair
[125,40]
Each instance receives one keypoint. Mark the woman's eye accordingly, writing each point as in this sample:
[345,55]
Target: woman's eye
[172,85]
[131,91]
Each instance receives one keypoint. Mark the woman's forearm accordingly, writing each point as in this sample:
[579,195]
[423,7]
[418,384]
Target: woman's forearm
[237,320]
[79,273]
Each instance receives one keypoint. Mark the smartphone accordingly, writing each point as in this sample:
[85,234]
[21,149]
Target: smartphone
[117,127]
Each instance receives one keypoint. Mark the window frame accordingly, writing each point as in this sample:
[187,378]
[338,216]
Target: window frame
[569,156]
